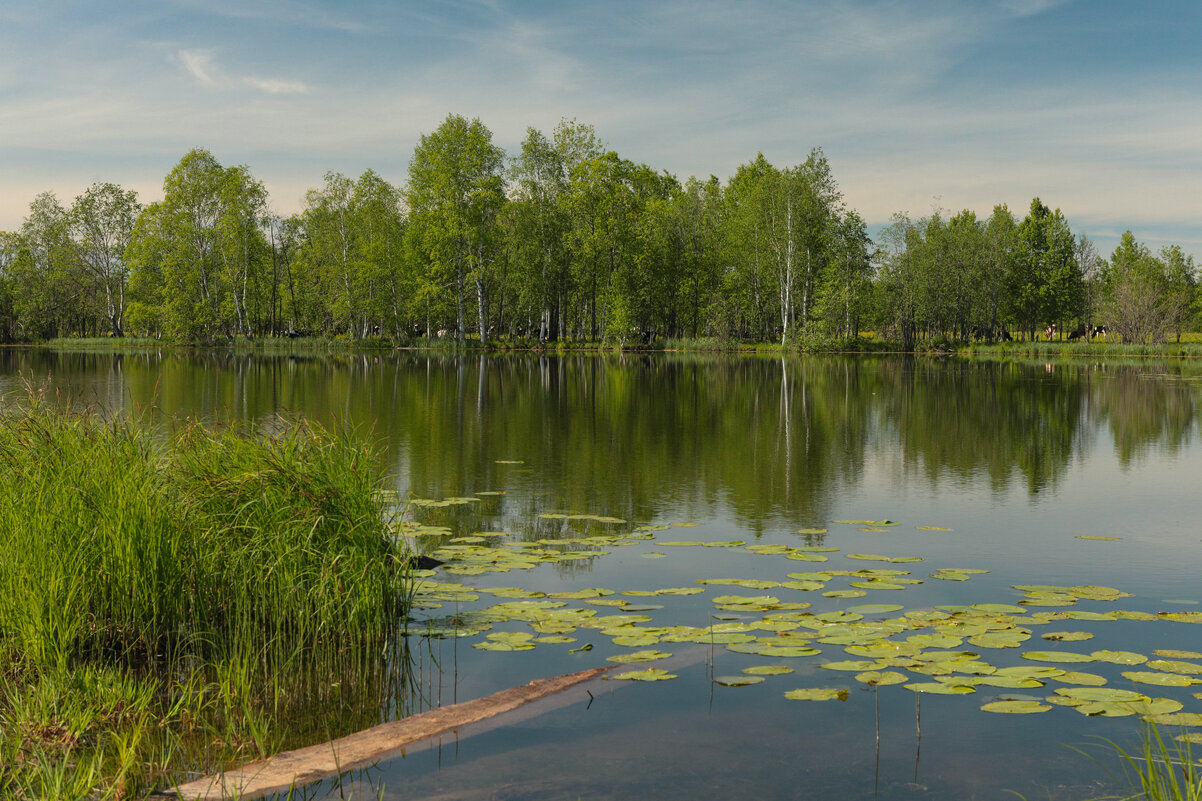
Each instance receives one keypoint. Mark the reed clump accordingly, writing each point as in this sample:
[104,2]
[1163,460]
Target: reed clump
[175,600]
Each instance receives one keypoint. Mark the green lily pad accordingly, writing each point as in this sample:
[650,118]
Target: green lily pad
[1097,537]
[654,555]
[875,678]
[767,670]
[932,528]
[1171,654]
[1153,706]
[818,694]
[751,584]
[650,674]
[845,594]
[1016,707]
[785,651]
[1175,666]
[874,609]
[941,688]
[1189,719]
[999,609]
[1108,694]
[1010,682]
[1067,636]
[1057,656]
[851,664]
[1119,657]
[999,640]
[811,531]
[639,656]
[749,600]
[1077,677]
[738,681]
[804,586]
[1159,679]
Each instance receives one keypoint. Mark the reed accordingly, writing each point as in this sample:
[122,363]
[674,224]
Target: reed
[172,600]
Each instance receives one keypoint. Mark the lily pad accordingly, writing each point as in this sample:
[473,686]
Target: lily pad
[1067,636]
[738,681]
[818,694]
[1058,656]
[874,609]
[638,656]
[650,674]
[1159,679]
[1077,677]
[1108,694]
[852,664]
[875,678]
[1171,654]
[767,670]
[941,688]
[1016,707]
[1119,657]
[1175,666]
[1190,719]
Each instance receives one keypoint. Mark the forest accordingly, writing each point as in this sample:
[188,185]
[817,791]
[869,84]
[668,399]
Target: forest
[564,241]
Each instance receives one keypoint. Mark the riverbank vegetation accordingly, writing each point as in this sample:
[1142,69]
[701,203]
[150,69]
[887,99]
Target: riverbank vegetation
[564,242]
[174,602]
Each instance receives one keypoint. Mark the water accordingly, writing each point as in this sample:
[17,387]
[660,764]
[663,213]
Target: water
[1016,460]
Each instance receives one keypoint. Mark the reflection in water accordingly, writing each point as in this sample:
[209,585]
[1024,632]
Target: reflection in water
[771,440]
[744,445]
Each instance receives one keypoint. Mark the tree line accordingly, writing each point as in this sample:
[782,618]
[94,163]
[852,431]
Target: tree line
[564,240]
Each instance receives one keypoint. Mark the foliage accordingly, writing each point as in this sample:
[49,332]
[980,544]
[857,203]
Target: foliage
[206,578]
[565,241]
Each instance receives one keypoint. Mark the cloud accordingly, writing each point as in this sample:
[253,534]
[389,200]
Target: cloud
[1030,8]
[277,87]
[199,64]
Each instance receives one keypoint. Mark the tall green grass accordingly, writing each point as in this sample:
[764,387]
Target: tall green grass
[1157,769]
[172,600]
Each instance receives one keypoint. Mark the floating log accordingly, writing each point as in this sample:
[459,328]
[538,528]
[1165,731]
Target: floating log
[303,766]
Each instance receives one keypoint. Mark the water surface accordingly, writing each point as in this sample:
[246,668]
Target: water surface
[1015,460]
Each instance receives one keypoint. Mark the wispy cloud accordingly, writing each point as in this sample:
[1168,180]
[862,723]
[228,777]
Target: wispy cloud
[199,64]
[274,86]
[1030,8]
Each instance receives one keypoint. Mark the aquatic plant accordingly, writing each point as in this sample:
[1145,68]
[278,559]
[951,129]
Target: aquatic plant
[169,598]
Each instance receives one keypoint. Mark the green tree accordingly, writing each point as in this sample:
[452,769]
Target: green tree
[1045,283]
[455,193]
[198,258]
[50,296]
[102,222]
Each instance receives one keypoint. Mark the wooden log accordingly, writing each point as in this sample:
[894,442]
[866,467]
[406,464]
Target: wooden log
[302,766]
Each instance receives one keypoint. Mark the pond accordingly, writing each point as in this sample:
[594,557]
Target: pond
[837,505]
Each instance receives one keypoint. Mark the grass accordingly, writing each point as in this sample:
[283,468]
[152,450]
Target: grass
[177,601]
[1159,769]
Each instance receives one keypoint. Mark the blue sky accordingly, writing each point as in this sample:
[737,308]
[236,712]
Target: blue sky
[1093,105]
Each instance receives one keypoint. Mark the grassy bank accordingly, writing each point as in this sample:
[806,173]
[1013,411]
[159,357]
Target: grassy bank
[1190,347]
[175,602]
[1083,349]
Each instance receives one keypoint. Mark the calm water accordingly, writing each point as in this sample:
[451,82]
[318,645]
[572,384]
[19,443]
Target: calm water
[1016,461]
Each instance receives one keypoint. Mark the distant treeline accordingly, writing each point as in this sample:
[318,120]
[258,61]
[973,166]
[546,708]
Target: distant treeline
[565,240]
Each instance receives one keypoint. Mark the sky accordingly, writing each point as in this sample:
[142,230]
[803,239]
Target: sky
[1095,106]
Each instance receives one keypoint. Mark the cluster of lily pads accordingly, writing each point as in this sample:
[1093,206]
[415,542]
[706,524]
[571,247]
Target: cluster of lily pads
[925,650]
